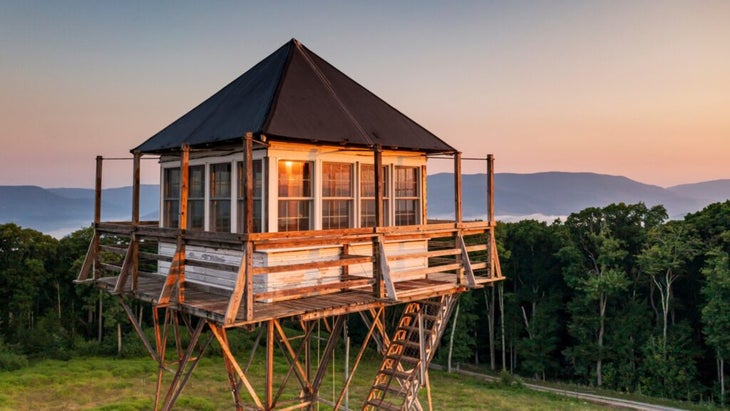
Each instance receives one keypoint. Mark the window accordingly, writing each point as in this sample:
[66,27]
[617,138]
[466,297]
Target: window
[367,195]
[171,198]
[295,195]
[336,195]
[196,192]
[196,198]
[220,197]
[257,194]
[406,196]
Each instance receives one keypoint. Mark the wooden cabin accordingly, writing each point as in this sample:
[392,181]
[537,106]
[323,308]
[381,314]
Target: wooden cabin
[291,192]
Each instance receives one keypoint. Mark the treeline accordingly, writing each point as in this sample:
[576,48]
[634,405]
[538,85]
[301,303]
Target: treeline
[617,297]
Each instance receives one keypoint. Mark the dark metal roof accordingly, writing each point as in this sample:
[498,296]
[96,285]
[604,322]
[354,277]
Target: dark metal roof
[295,94]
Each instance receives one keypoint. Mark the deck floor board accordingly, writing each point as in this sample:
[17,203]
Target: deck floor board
[212,305]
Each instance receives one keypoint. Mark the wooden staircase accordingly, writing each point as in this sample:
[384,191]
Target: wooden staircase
[404,369]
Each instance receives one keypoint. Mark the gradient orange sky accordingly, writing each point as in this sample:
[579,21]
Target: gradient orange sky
[632,88]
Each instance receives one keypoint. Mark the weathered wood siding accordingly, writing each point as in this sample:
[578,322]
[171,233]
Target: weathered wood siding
[225,280]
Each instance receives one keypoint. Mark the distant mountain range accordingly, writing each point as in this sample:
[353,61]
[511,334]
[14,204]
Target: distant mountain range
[557,194]
[545,196]
[59,211]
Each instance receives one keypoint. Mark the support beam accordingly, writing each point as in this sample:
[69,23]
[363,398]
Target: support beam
[126,269]
[243,288]
[182,375]
[457,188]
[384,269]
[371,331]
[269,370]
[335,333]
[378,285]
[491,249]
[97,214]
[138,329]
[220,334]
[135,217]
[176,276]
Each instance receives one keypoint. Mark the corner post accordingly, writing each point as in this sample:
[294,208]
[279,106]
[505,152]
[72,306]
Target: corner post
[379,286]
[135,217]
[97,213]
[243,288]
[176,275]
[490,215]
[458,216]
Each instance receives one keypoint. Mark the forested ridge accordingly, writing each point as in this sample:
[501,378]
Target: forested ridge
[618,297]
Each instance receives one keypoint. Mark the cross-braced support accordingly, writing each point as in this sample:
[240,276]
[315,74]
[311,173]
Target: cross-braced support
[184,360]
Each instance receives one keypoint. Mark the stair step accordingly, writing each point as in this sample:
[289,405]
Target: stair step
[393,389]
[401,375]
[404,358]
[382,405]
[426,330]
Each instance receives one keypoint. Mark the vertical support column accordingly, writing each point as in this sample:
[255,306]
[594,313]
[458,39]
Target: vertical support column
[134,249]
[270,364]
[243,289]
[183,220]
[97,213]
[458,215]
[490,215]
[457,188]
[379,286]
[176,276]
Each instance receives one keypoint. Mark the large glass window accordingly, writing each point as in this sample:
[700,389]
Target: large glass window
[220,197]
[336,195]
[196,198]
[367,195]
[171,198]
[406,195]
[257,195]
[295,195]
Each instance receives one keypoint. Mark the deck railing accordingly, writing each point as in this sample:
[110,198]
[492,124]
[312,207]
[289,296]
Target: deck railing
[379,260]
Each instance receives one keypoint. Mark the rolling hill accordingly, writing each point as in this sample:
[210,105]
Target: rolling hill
[546,196]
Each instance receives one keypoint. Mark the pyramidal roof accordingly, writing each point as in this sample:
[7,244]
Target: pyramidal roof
[294,94]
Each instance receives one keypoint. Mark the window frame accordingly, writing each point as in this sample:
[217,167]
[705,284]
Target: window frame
[366,197]
[336,194]
[258,189]
[404,195]
[304,203]
[215,199]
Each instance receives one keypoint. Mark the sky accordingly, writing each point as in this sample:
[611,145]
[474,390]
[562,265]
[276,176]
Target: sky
[633,88]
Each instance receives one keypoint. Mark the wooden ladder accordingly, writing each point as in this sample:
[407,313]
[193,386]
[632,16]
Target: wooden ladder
[405,364]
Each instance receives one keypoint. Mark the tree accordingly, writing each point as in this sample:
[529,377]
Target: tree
[27,261]
[534,303]
[716,313]
[594,270]
[664,259]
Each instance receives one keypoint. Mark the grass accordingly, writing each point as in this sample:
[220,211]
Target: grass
[129,384]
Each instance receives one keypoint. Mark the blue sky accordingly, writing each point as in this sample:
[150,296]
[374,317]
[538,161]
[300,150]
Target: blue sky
[635,88]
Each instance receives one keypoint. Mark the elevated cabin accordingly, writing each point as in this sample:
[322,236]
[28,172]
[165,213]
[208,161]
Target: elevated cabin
[292,192]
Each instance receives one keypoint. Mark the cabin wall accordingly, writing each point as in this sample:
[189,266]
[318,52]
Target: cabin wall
[273,153]
[225,280]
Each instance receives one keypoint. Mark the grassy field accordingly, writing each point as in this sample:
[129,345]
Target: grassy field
[129,384]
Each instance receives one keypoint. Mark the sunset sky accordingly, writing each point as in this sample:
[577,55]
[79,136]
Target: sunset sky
[632,88]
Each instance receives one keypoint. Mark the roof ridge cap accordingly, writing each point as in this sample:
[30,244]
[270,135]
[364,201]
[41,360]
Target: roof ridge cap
[328,85]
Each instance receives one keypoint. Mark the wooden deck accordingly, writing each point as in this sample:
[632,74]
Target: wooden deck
[450,257]
[211,303]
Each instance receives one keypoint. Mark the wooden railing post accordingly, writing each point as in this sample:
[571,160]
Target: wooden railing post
[176,275]
[135,217]
[243,288]
[490,216]
[378,285]
[97,214]
[458,216]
